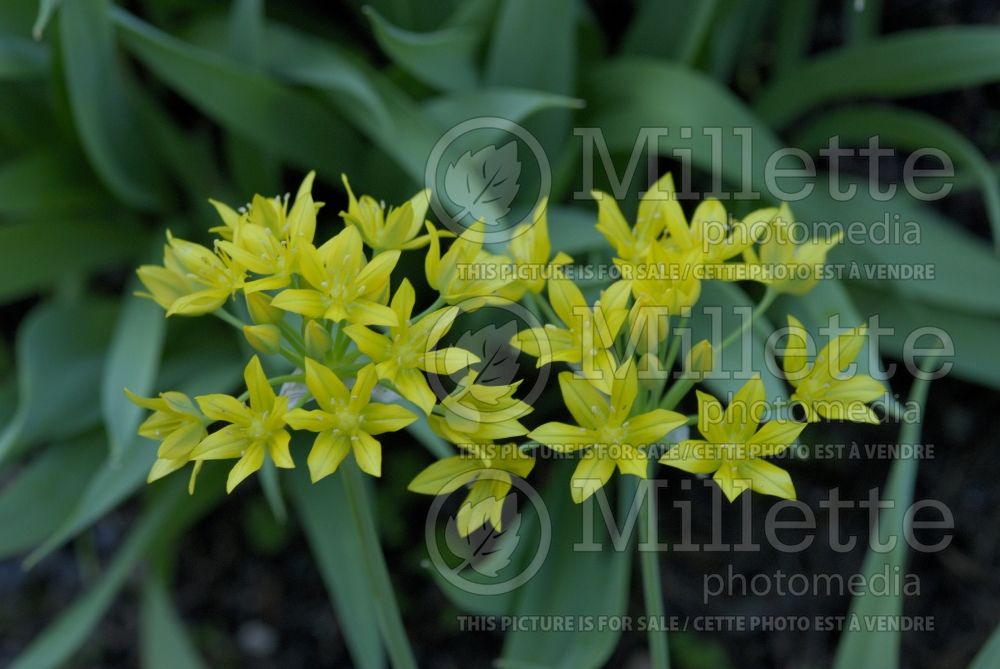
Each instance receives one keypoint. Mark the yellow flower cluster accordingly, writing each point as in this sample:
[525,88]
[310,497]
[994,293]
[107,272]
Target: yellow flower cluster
[351,360]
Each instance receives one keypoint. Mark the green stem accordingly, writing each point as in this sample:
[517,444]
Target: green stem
[683,386]
[390,622]
[545,308]
[229,318]
[437,304]
[652,588]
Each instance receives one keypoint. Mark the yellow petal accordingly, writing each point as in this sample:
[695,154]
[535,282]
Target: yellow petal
[412,385]
[695,456]
[380,418]
[223,407]
[367,453]
[590,475]
[587,406]
[768,479]
[251,462]
[261,394]
[445,476]
[563,437]
[278,450]
[327,452]
[309,303]
[324,385]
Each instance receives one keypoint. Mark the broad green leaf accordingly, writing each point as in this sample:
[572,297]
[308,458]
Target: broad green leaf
[32,260]
[629,95]
[572,229]
[444,58]
[166,513]
[60,353]
[132,362]
[794,29]
[324,511]
[101,106]
[60,473]
[48,182]
[861,647]
[46,8]
[862,19]
[900,65]
[209,371]
[972,336]
[989,655]
[721,310]
[570,583]
[286,122]
[906,130]
[164,641]
[534,46]
[22,59]
[513,104]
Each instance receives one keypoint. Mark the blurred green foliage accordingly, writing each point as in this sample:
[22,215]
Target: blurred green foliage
[118,123]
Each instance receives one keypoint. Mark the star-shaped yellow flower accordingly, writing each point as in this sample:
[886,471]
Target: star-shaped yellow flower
[177,424]
[466,273]
[823,388]
[408,351]
[531,251]
[784,262]
[346,420]
[344,284]
[192,280]
[606,430]
[253,432]
[588,333]
[734,441]
[395,229]
[488,468]
[475,413]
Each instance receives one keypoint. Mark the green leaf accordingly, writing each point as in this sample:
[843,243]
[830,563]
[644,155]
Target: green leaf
[513,104]
[48,182]
[861,647]
[30,259]
[132,362]
[907,130]
[60,472]
[101,107]
[973,336]
[60,353]
[443,59]
[46,8]
[905,64]
[164,641]
[629,95]
[722,309]
[22,59]
[570,583]
[324,511]
[989,655]
[291,125]
[207,371]
[60,640]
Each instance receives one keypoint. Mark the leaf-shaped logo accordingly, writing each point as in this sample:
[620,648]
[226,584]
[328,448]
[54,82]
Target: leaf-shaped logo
[484,183]
[498,361]
[487,550]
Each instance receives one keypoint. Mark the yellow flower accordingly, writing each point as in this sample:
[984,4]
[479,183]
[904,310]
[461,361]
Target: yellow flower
[253,432]
[345,286]
[346,421]
[605,430]
[406,353]
[179,427]
[192,280]
[588,333]
[475,413]
[788,267]
[733,445]
[465,273]
[267,239]
[395,229]
[488,468]
[531,251]
[658,208]
[822,388]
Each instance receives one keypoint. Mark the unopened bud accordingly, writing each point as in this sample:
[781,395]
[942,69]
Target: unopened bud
[263,338]
[261,311]
[700,358]
[318,341]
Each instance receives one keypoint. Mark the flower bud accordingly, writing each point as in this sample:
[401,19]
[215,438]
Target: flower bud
[261,311]
[318,341]
[700,358]
[263,338]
